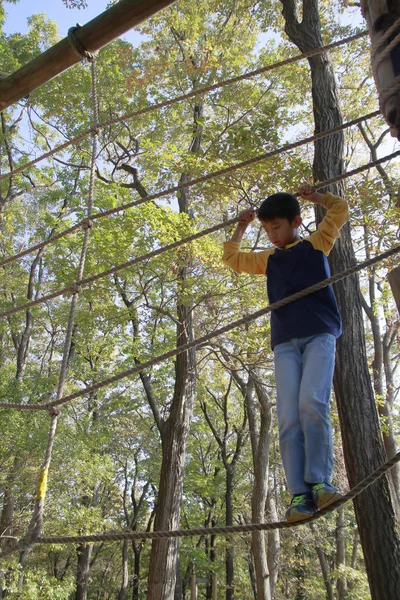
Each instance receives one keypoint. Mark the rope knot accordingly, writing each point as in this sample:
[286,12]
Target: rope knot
[86,223]
[73,288]
[54,411]
[77,45]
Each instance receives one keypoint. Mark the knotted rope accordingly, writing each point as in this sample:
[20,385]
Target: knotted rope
[193,182]
[36,522]
[198,92]
[231,529]
[206,338]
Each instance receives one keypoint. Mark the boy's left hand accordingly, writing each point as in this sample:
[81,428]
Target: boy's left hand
[307,192]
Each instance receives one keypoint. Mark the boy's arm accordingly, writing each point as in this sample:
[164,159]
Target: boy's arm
[254,263]
[336,216]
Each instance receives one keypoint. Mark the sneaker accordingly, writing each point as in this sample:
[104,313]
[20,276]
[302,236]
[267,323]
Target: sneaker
[324,494]
[301,507]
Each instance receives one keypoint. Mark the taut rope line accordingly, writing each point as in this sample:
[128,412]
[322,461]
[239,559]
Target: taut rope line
[206,338]
[149,535]
[215,174]
[76,286]
[192,94]
[36,522]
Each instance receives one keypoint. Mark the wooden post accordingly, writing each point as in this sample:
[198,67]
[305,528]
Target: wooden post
[214,588]
[99,32]
[193,586]
[394,280]
[380,16]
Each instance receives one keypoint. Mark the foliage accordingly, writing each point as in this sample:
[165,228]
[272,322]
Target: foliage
[105,466]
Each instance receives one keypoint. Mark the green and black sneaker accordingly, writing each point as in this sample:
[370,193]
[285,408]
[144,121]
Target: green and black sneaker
[301,507]
[324,494]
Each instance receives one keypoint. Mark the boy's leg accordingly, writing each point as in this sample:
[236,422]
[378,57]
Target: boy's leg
[315,391]
[288,373]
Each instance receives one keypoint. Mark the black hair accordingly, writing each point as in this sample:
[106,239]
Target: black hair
[281,205]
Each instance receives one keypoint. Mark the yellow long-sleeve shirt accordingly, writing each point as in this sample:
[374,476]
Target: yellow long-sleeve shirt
[323,239]
[297,266]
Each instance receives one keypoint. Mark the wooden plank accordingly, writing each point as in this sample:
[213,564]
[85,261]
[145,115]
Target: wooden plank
[97,33]
[394,281]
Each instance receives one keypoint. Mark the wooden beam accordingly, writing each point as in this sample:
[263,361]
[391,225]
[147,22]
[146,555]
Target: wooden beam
[97,33]
[394,280]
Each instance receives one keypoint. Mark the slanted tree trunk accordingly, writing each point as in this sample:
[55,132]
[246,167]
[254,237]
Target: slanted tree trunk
[362,440]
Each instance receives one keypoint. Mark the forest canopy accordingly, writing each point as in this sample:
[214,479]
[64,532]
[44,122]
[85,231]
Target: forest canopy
[192,441]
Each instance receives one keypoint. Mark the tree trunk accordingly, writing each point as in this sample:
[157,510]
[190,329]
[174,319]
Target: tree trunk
[229,553]
[362,440]
[137,553]
[341,583]
[125,572]
[260,489]
[274,544]
[174,433]
[252,573]
[260,442]
[84,553]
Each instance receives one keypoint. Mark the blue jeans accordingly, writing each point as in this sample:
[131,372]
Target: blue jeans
[304,371]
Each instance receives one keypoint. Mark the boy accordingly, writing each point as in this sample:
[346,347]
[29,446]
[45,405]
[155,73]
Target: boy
[303,337]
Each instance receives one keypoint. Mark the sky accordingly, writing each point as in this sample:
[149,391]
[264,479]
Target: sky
[56,10]
[67,17]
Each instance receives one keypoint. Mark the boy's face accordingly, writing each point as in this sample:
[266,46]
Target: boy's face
[281,232]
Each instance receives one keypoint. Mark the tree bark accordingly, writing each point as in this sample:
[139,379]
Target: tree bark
[341,582]
[125,571]
[174,432]
[324,568]
[229,554]
[84,553]
[362,440]
[260,489]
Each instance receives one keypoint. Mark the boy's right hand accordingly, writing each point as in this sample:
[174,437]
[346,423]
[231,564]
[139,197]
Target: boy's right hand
[247,216]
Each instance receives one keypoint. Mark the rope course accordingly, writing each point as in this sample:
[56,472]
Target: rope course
[208,177]
[36,522]
[206,338]
[33,534]
[199,92]
[230,529]
[385,72]
[76,286]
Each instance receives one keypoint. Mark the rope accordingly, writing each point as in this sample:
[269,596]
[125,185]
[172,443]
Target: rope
[379,44]
[149,535]
[76,286]
[192,94]
[386,52]
[77,45]
[379,53]
[193,182]
[388,92]
[206,338]
[36,522]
